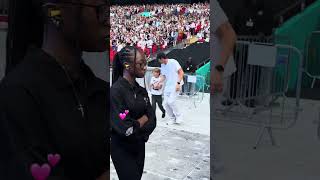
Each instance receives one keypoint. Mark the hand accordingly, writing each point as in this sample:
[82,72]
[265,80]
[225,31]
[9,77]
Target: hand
[104,176]
[216,82]
[143,120]
[156,86]
[178,87]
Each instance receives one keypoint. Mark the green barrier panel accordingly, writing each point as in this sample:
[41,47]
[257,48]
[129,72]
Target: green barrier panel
[297,29]
[313,56]
[203,71]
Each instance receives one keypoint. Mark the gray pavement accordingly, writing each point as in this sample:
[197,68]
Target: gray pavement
[179,152]
[296,156]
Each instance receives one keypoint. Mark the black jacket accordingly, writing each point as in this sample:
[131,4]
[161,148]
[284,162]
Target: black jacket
[39,115]
[134,98]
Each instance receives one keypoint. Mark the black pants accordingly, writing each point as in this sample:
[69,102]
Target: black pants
[128,158]
[157,99]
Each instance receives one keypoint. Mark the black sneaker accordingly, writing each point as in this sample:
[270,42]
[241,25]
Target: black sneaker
[250,103]
[163,115]
[227,102]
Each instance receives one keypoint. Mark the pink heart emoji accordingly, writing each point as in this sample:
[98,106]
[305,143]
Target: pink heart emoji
[53,159]
[122,116]
[40,173]
[126,111]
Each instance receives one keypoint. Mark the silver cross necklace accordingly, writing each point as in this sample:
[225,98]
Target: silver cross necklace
[76,95]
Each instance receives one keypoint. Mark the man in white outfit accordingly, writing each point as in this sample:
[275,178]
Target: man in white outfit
[172,73]
[222,42]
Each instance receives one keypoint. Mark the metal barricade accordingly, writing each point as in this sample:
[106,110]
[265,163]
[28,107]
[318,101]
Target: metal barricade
[312,57]
[255,94]
[193,88]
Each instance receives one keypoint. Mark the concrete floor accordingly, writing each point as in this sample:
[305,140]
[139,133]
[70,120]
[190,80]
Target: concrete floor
[179,152]
[295,157]
[183,151]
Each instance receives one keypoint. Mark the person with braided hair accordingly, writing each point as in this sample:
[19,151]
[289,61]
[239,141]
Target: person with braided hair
[132,116]
[53,109]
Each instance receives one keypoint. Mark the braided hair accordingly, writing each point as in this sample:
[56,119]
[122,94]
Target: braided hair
[25,28]
[124,56]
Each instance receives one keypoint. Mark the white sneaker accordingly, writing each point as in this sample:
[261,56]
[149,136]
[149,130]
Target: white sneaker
[179,120]
[171,121]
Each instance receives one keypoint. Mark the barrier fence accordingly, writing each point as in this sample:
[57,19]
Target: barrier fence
[255,94]
[312,57]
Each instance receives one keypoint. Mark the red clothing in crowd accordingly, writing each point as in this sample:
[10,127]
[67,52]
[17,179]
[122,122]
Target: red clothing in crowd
[154,48]
[112,54]
[147,51]
[198,28]
[183,10]
[162,47]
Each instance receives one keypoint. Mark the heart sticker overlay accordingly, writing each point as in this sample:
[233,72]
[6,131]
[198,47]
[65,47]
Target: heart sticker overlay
[122,116]
[40,173]
[126,111]
[54,159]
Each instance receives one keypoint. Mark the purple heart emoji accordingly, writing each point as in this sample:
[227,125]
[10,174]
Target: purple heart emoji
[54,159]
[126,111]
[122,116]
[40,173]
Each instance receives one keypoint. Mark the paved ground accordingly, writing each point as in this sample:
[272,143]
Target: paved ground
[296,156]
[179,152]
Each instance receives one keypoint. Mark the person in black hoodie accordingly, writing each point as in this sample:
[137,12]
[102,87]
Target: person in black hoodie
[132,116]
[50,101]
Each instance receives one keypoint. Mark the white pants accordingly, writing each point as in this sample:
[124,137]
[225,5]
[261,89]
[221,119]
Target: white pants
[170,104]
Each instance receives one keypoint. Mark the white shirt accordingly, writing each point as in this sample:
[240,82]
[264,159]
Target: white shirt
[149,43]
[187,27]
[155,80]
[218,17]
[119,47]
[143,44]
[193,25]
[170,71]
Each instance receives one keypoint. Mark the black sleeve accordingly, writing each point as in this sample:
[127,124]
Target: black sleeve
[150,125]
[122,126]
[24,138]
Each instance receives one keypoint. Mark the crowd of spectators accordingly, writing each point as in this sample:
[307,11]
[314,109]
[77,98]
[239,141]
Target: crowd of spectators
[158,26]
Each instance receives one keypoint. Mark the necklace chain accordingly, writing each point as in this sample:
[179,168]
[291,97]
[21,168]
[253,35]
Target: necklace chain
[76,95]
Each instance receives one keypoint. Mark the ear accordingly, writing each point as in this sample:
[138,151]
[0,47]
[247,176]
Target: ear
[51,10]
[126,65]
[53,13]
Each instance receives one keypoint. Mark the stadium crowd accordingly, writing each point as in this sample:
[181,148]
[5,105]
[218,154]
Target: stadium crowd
[156,27]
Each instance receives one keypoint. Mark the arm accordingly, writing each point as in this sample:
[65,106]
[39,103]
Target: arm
[123,126]
[24,139]
[152,123]
[104,176]
[151,83]
[180,75]
[221,28]
[228,39]
[162,78]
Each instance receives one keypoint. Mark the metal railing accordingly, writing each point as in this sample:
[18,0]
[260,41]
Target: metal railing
[255,94]
[312,58]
